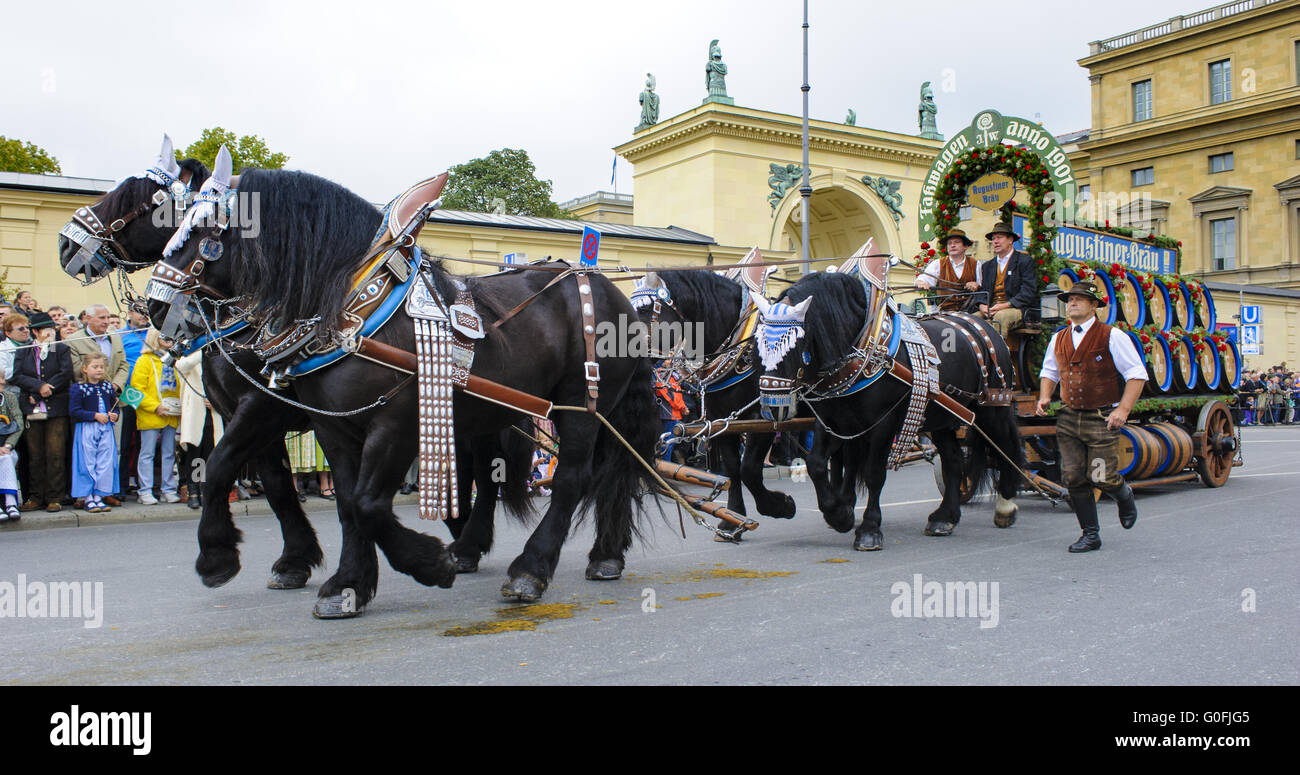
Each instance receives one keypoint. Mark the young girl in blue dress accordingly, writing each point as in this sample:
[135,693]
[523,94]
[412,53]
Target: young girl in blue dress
[91,405]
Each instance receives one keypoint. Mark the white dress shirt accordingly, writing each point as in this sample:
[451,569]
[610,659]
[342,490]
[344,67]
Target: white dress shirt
[1126,357]
[930,277]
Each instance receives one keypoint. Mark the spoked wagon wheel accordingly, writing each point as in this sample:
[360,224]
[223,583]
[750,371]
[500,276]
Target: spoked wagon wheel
[968,486]
[1220,445]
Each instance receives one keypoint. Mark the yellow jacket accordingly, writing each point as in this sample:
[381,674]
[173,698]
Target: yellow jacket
[146,377]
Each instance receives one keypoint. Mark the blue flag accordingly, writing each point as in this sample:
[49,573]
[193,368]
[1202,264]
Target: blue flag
[590,246]
[613,170]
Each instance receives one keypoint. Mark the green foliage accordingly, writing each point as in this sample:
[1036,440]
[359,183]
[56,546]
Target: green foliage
[18,156]
[507,175]
[7,289]
[246,151]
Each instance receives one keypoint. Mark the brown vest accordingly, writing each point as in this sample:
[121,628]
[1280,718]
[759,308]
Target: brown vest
[950,281]
[1000,287]
[1089,379]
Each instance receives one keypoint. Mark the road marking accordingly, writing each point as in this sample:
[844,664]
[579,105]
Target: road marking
[910,503]
[1279,473]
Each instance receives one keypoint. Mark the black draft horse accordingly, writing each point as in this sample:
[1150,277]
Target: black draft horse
[313,235]
[834,309]
[255,424]
[714,303]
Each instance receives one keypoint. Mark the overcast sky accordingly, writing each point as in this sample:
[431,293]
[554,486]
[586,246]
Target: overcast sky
[377,95]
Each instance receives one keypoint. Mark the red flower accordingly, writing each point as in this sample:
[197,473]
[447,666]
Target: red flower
[1041,262]
[931,253]
[1012,204]
[925,246]
[1108,224]
[1146,339]
[1180,243]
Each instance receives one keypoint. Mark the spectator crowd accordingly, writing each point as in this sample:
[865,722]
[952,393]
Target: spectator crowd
[94,411]
[1268,397]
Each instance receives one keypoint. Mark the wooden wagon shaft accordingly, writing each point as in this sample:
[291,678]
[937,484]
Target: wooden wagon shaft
[716,510]
[478,387]
[1159,480]
[717,427]
[688,475]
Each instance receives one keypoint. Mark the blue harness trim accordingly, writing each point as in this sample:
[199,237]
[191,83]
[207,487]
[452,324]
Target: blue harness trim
[221,333]
[372,324]
[726,383]
[894,340]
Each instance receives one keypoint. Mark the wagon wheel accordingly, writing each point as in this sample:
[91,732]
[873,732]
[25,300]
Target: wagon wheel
[968,486]
[1220,445]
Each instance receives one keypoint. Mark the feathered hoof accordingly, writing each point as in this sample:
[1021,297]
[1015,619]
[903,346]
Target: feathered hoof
[215,568]
[292,579]
[781,507]
[604,570]
[525,588]
[840,519]
[466,563]
[335,607]
[940,528]
[873,541]
[1004,520]
[1004,515]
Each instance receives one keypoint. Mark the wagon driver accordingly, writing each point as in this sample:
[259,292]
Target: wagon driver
[1101,376]
[952,273]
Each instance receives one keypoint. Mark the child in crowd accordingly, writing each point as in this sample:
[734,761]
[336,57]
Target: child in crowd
[91,405]
[157,417]
[11,429]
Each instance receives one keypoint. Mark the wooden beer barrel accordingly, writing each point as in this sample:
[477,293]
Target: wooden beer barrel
[1180,299]
[1210,366]
[1231,367]
[1178,447]
[1160,376]
[1130,300]
[1184,363]
[1203,308]
[1160,310]
[1141,453]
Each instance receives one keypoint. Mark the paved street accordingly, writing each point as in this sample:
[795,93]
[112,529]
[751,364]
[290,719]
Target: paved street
[1162,603]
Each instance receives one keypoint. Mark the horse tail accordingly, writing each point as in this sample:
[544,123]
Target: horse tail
[619,479]
[999,423]
[517,452]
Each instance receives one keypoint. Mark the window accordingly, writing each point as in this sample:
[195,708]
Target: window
[1144,176]
[1220,81]
[1221,162]
[1223,238]
[1142,100]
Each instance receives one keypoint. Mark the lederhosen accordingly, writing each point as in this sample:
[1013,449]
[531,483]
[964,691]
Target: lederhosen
[1090,387]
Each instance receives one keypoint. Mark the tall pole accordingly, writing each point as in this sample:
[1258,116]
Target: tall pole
[805,191]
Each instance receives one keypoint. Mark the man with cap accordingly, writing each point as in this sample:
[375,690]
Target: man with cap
[1008,280]
[952,273]
[1101,375]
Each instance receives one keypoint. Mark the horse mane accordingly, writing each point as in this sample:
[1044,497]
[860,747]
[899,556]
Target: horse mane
[835,316]
[199,173]
[715,299]
[313,234]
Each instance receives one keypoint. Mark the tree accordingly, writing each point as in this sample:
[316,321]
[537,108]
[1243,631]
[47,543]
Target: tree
[505,176]
[18,156]
[246,151]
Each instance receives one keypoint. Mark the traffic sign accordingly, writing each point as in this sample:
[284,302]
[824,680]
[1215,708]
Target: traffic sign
[1250,335]
[1250,314]
[590,246]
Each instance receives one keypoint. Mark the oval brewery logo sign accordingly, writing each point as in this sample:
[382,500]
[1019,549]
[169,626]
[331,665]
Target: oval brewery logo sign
[991,191]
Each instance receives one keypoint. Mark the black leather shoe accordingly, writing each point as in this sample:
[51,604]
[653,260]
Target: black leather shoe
[1128,510]
[1085,510]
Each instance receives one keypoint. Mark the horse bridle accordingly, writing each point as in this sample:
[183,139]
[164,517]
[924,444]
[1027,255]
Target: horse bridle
[98,241]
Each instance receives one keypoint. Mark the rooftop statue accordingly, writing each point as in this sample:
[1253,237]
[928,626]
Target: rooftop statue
[649,104]
[926,113]
[715,76]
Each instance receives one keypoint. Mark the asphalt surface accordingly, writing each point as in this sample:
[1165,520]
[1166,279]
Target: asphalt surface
[1160,604]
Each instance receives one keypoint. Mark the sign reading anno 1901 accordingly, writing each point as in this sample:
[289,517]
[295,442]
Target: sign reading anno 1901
[991,191]
[1078,244]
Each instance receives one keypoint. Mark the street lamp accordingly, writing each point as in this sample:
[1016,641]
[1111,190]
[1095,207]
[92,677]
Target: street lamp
[1051,307]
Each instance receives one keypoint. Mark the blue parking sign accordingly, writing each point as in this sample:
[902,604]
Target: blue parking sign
[590,247]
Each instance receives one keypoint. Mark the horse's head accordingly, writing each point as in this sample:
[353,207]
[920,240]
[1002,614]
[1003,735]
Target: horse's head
[783,350]
[192,257]
[128,227]
[658,311]
[800,342]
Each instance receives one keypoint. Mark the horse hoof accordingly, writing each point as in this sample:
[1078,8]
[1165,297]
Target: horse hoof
[293,579]
[940,528]
[869,542]
[466,564]
[604,570]
[217,567]
[335,607]
[783,508]
[525,588]
[1004,520]
[214,580]
[840,520]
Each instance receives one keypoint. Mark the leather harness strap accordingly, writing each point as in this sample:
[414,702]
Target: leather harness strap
[586,301]
[520,307]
